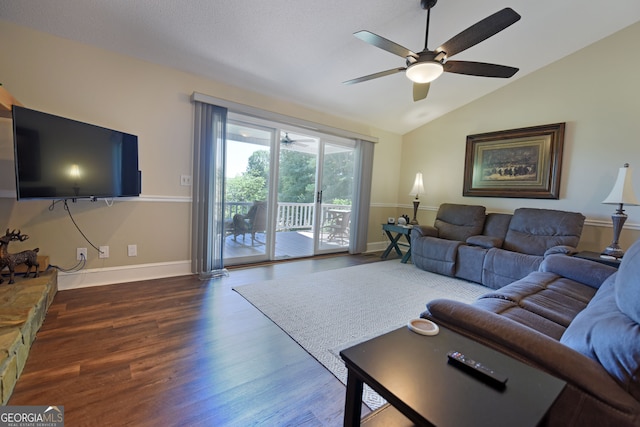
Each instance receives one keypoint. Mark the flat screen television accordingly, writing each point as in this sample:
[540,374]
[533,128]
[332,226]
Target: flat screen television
[60,158]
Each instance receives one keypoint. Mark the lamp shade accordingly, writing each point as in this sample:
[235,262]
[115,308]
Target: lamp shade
[418,186]
[622,192]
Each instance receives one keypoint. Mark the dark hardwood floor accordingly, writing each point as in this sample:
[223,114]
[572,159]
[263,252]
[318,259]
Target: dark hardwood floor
[179,352]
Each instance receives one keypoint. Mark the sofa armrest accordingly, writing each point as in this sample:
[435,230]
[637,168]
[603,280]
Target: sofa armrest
[584,376]
[424,230]
[561,249]
[578,269]
[486,242]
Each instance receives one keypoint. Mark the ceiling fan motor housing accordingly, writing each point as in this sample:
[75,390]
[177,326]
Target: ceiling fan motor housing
[428,4]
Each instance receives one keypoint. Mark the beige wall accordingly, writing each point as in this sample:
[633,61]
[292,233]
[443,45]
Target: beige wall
[78,81]
[88,84]
[595,91]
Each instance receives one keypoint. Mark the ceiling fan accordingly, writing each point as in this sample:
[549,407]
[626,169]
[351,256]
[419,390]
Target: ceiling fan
[286,140]
[424,67]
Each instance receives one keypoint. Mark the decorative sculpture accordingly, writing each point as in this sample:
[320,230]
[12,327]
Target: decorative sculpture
[29,257]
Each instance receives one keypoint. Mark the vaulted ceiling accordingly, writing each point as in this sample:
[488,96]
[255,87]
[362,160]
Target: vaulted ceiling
[302,50]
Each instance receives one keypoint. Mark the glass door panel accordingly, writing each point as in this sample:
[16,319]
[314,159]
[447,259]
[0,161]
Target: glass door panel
[338,163]
[297,177]
[246,206]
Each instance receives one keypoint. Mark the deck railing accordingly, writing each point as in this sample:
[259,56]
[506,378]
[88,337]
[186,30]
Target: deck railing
[290,216]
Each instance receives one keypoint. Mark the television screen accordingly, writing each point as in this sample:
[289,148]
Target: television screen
[60,158]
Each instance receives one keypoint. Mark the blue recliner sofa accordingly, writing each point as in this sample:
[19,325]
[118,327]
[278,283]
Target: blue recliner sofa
[576,319]
[493,249]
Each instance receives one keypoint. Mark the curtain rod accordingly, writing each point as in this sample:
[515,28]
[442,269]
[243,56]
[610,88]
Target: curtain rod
[277,117]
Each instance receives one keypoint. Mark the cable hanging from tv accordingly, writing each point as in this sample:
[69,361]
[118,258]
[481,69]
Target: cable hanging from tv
[66,208]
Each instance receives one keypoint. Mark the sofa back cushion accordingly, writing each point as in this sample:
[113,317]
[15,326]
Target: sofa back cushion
[605,334]
[497,225]
[533,231]
[458,222]
[628,283]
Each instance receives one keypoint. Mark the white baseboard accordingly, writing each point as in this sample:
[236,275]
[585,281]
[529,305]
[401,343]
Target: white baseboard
[131,273]
[377,246]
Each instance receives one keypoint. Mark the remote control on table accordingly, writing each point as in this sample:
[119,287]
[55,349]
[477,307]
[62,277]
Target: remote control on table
[477,369]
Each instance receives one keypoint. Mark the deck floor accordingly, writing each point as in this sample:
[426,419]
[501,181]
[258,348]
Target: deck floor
[289,244]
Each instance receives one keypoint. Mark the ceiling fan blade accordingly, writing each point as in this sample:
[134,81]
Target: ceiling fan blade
[420,91]
[480,31]
[374,76]
[384,44]
[479,69]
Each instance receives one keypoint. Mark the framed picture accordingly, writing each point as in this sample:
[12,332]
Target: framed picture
[523,163]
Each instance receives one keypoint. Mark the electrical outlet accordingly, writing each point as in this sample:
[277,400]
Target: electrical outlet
[132,250]
[185,180]
[104,252]
[80,253]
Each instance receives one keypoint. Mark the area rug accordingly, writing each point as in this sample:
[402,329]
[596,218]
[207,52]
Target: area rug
[328,311]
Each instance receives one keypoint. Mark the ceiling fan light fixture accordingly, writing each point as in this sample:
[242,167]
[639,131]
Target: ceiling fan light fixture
[424,72]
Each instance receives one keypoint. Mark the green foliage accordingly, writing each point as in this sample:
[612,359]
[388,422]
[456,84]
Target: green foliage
[344,202]
[246,188]
[297,176]
[258,164]
[338,177]
[252,185]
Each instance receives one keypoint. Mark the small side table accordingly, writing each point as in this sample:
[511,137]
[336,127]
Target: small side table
[400,230]
[595,256]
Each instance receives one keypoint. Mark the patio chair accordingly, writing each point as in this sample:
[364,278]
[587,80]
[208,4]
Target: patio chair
[338,226]
[255,221]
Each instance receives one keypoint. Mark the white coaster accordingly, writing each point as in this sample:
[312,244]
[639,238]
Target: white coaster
[423,326]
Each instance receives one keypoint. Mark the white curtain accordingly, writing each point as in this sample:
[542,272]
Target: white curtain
[208,190]
[361,197]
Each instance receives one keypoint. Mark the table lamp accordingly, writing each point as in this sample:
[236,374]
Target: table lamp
[417,189]
[621,194]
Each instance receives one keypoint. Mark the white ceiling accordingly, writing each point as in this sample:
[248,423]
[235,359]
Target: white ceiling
[301,50]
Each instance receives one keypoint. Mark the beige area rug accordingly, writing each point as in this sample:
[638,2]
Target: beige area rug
[328,311]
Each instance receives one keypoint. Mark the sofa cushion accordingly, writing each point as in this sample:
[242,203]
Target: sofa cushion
[458,222]
[592,334]
[628,283]
[511,310]
[486,242]
[553,297]
[533,231]
[496,225]
[548,302]
[501,267]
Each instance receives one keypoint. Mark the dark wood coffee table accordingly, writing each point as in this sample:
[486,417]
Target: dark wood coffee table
[411,372]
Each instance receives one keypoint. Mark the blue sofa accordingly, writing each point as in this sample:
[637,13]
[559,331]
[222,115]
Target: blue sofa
[576,319]
[493,249]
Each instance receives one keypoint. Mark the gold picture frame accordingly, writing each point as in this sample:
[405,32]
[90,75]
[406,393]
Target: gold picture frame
[522,163]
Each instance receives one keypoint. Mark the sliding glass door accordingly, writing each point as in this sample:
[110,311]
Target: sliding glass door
[288,192]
